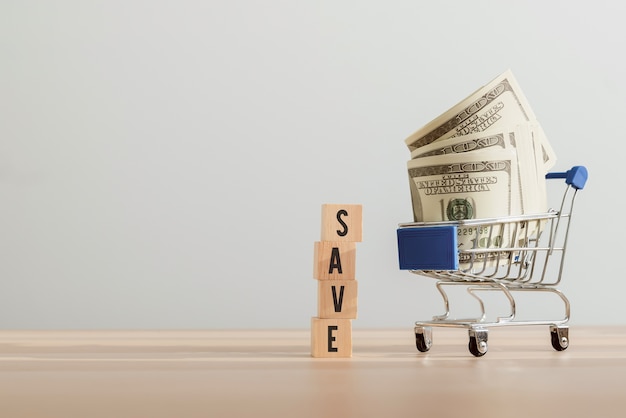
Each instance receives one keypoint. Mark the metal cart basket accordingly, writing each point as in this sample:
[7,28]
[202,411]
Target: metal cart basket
[509,255]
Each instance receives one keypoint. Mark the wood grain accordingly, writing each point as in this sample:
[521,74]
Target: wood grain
[270,373]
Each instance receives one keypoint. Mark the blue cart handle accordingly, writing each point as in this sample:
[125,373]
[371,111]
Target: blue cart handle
[575,177]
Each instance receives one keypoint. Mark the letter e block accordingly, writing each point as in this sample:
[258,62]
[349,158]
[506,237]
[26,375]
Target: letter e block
[337,299]
[334,260]
[342,222]
[331,337]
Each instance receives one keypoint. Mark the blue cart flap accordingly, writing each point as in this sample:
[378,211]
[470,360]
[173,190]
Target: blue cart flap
[428,248]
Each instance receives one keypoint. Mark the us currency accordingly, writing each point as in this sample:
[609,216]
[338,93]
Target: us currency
[516,139]
[544,159]
[482,141]
[531,166]
[499,103]
[545,149]
[459,187]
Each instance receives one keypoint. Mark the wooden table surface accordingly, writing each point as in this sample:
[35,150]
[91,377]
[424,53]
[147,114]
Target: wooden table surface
[270,373]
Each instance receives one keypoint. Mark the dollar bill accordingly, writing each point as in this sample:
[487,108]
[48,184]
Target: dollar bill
[530,168]
[478,142]
[458,187]
[484,158]
[527,140]
[467,186]
[544,160]
[499,103]
[544,149]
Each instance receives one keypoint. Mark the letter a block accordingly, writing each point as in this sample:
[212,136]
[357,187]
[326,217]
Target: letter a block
[337,299]
[331,337]
[334,260]
[342,223]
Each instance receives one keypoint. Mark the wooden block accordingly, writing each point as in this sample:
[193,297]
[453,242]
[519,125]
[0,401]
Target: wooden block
[331,337]
[337,299]
[334,260]
[342,222]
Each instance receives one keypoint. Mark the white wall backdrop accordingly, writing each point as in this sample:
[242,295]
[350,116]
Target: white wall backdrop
[163,163]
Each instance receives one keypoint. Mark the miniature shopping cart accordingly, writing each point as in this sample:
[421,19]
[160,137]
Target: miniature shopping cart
[509,255]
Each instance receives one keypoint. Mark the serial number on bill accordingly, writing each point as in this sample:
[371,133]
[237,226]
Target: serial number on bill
[473,231]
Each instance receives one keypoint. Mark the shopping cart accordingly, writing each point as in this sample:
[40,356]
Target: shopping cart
[509,255]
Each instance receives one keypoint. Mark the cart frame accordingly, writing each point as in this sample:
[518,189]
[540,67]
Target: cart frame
[514,254]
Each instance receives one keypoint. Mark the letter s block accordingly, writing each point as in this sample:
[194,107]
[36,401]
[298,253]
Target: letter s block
[334,260]
[342,222]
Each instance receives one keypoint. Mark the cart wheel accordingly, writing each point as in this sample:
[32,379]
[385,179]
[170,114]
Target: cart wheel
[478,342]
[423,338]
[559,337]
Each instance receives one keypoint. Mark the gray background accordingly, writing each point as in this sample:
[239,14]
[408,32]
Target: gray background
[163,163]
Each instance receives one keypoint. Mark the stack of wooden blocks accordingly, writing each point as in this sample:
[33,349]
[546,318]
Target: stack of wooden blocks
[334,268]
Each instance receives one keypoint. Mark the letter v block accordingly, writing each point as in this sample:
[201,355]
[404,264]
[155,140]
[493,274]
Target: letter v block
[342,222]
[331,337]
[334,260]
[337,299]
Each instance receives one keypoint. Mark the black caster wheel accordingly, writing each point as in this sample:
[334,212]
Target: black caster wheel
[559,336]
[423,338]
[478,342]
